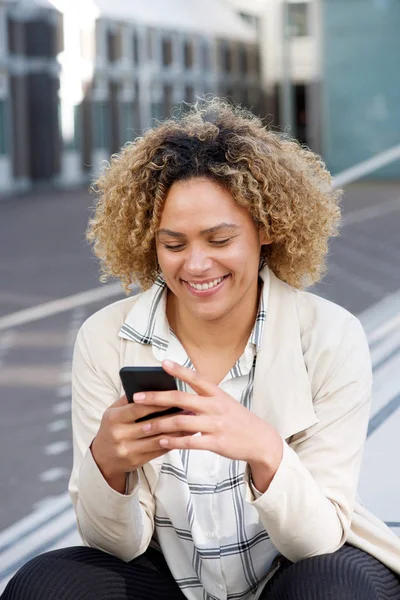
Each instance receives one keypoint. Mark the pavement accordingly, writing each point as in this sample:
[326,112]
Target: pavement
[44,260]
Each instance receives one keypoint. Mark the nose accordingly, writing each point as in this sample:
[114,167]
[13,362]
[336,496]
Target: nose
[197,261]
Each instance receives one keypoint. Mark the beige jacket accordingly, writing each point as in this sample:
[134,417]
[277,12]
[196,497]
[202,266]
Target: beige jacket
[312,383]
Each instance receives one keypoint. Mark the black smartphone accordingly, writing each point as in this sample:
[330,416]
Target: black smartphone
[147,379]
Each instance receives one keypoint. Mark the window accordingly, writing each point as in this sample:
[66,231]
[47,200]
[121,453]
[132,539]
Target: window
[77,127]
[3,128]
[100,125]
[188,54]
[243,60]
[14,45]
[127,121]
[40,38]
[167,92]
[167,52]
[151,34]
[226,58]
[135,48]
[205,56]
[298,19]
[189,93]
[113,46]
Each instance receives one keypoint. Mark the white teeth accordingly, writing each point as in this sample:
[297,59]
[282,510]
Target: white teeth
[205,286]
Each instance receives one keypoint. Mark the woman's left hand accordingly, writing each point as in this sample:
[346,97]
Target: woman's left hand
[226,426]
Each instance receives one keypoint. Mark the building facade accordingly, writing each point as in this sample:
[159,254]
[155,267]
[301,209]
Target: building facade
[29,82]
[110,71]
[330,75]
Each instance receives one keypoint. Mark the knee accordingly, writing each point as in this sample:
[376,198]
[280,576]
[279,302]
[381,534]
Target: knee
[27,583]
[41,578]
[343,575]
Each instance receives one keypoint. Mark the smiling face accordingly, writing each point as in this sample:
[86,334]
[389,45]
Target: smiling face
[208,248]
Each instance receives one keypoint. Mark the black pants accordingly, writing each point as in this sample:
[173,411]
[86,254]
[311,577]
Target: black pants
[86,574]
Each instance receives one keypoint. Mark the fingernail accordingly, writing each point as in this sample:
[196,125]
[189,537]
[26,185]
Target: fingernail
[168,363]
[139,396]
[146,427]
[164,443]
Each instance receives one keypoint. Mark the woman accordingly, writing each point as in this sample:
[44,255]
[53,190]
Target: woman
[250,492]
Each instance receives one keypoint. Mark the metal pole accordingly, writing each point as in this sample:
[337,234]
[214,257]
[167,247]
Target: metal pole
[286,99]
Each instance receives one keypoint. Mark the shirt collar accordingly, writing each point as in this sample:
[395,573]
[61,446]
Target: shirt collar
[147,322]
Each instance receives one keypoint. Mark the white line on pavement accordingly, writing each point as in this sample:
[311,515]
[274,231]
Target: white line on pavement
[62,407]
[58,425]
[54,474]
[57,448]
[61,305]
[47,510]
[36,539]
[64,391]
[371,212]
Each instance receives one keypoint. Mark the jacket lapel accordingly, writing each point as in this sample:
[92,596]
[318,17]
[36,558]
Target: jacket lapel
[282,393]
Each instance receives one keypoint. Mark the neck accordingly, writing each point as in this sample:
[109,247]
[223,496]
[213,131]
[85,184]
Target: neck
[231,331]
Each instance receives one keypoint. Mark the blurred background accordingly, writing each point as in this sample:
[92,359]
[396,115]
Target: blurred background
[78,79]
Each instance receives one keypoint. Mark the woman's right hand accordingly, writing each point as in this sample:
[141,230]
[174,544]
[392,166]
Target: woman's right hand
[121,446]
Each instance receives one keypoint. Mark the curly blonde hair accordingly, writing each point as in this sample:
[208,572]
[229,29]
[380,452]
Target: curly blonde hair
[285,187]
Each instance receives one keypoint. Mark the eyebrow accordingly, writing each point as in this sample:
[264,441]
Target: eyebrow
[214,229]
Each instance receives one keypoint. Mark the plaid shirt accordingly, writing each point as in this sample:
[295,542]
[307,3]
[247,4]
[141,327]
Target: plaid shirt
[212,539]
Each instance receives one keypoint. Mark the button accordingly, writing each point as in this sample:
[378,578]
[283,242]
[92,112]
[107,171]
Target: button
[212,473]
[211,535]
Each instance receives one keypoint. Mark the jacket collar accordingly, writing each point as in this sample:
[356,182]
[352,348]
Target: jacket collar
[282,392]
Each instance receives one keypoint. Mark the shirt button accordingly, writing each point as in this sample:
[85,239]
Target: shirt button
[212,473]
[211,535]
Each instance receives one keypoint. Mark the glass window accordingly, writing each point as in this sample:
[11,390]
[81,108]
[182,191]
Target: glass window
[135,48]
[167,51]
[298,19]
[77,127]
[151,34]
[13,46]
[40,38]
[167,93]
[226,57]
[188,54]
[189,93]
[243,60]
[127,121]
[100,125]
[205,56]
[3,128]
[114,47]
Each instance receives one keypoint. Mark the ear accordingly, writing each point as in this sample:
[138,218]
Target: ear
[264,239]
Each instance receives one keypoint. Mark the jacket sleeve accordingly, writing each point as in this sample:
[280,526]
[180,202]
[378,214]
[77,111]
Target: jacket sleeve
[118,524]
[307,509]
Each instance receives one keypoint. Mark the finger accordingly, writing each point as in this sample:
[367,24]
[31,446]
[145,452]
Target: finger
[190,442]
[145,445]
[176,424]
[200,385]
[188,402]
[132,411]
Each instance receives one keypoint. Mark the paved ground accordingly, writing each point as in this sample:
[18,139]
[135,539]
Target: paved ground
[43,257]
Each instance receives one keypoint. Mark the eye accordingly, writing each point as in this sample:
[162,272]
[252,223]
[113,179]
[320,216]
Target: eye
[175,247]
[220,242]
